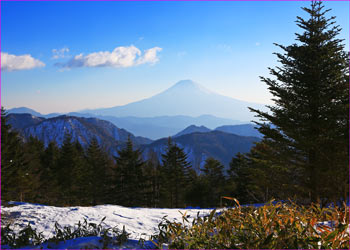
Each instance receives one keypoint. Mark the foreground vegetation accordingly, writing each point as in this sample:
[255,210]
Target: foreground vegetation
[272,226]
[279,226]
[31,237]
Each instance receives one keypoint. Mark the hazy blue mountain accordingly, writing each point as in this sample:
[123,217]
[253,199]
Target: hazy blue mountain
[151,127]
[24,110]
[160,126]
[20,121]
[241,129]
[184,98]
[82,129]
[193,129]
[52,115]
[199,146]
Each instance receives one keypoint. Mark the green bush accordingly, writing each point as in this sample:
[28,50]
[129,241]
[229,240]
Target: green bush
[30,237]
[280,226]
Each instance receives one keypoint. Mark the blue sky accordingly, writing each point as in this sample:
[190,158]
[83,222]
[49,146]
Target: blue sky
[225,46]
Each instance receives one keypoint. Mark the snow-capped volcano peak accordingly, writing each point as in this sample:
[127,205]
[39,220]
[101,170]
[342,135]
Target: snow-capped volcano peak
[188,85]
[185,84]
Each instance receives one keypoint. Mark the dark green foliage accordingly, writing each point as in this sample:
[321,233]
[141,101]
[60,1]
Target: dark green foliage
[80,177]
[310,118]
[198,190]
[33,153]
[254,179]
[239,178]
[98,170]
[213,177]
[49,185]
[152,181]
[65,168]
[129,176]
[176,170]
[268,180]
[13,164]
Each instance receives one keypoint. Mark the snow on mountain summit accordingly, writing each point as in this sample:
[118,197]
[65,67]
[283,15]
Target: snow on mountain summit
[188,85]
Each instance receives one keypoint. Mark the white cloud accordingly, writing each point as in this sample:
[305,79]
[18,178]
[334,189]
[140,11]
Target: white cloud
[59,53]
[120,57]
[12,62]
[150,56]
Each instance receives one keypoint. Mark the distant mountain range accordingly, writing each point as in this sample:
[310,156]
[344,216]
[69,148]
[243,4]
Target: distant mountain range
[241,129]
[199,146]
[184,98]
[24,110]
[193,129]
[82,129]
[150,127]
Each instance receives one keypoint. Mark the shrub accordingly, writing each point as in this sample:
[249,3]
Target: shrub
[271,226]
[30,237]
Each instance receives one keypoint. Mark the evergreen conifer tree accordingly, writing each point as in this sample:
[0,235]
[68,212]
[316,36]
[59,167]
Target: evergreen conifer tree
[213,173]
[176,169]
[129,176]
[80,174]
[153,180]
[311,113]
[98,166]
[66,164]
[239,178]
[33,153]
[13,164]
[48,181]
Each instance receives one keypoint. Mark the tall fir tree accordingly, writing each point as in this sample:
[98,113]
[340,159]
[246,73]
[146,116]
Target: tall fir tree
[129,176]
[153,180]
[48,181]
[13,164]
[66,165]
[79,176]
[214,175]
[98,172]
[239,178]
[33,153]
[311,111]
[176,169]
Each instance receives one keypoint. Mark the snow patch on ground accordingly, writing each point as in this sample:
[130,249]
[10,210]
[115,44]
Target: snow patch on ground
[139,222]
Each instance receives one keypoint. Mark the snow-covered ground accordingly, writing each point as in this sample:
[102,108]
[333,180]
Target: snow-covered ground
[139,222]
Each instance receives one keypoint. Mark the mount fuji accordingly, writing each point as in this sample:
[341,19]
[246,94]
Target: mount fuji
[184,98]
